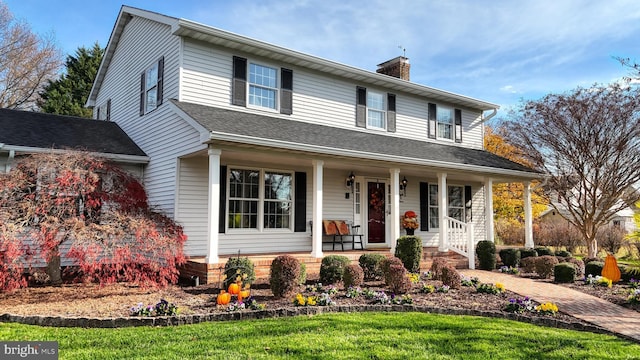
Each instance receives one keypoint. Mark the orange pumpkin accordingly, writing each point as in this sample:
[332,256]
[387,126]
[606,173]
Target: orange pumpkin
[223,298]
[243,294]
[234,288]
[610,269]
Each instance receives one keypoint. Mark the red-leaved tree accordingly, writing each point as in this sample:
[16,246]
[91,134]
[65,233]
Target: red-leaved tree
[91,212]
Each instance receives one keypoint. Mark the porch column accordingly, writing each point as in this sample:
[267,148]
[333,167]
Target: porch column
[443,244]
[316,236]
[528,216]
[488,209]
[213,206]
[395,208]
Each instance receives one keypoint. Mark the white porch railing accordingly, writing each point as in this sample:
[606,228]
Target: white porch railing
[461,240]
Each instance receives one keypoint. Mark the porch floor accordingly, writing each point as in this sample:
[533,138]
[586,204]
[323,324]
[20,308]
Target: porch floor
[212,273]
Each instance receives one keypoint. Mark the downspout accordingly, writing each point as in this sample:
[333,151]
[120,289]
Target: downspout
[488,117]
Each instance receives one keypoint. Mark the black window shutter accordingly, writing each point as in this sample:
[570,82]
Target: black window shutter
[468,197]
[239,82]
[286,91]
[361,107]
[98,114]
[142,94]
[458,127]
[223,200]
[160,81]
[424,206]
[109,110]
[391,112]
[300,215]
[432,121]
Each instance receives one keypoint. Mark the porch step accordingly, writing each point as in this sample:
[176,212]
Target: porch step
[212,273]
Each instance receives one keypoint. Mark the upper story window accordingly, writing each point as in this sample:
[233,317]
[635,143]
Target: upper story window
[260,199]
[104,111]
[375,110]
[151,87]
[444,123]
[263,88]
[268,87]
[444,118]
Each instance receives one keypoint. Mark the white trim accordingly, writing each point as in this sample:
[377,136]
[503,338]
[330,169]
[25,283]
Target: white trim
[213,205]
[488,209]
[395,208]
[528,217]
[316,216]
[122,158]
[443,211]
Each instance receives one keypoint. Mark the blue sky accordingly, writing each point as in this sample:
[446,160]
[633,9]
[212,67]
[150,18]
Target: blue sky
[499,51]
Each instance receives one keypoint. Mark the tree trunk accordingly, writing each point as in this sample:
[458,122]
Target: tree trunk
[592,248]
[53,268]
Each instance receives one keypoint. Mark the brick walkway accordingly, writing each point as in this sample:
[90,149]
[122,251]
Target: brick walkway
[575,303]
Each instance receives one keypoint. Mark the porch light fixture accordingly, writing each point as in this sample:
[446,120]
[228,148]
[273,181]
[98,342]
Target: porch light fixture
[351,180]
[403,186]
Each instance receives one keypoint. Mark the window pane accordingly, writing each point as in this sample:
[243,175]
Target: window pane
[262,97]
[151,77]
[455,196]
[433,195]
[433,218]
[277,186]
[376,119]
[375,100]
[262,75]
[150,103]
[243,214]
[277,214]
[455,213]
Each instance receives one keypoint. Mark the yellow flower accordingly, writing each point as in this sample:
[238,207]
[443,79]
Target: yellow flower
[299,300]
[311,301]
[547,308]
[500,287]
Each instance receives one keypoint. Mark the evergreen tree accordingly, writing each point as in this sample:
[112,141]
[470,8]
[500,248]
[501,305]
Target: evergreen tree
[68,94]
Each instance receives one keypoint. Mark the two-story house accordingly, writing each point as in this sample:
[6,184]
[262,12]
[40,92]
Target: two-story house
[252,145]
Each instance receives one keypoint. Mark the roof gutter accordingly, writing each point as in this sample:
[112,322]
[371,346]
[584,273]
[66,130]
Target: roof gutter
[121,158]
[488,117]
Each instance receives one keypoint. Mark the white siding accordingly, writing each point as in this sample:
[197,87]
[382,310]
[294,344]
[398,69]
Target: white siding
[317,98]
[191,209]
[161,134]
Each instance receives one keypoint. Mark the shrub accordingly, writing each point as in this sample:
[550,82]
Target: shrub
[370,264]
[303,274]
[630,273]
[544,265]
[436,268]
[510,257]
[564,273]
[528,264]
[353,275]
[284,275]
[612,238]
[385,265]
[332,268]
[563,253]
[558,235]
[543,251]
[238,267]
[486,251]
[525,253]
[399,282]
[593,268]
[590,259]
[451,277]
[509,232]
[409,250]
[579,266]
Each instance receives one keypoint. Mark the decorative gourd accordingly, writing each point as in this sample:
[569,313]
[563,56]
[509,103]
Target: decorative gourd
[223,298]
[234,288]
[243,294]
[610,269]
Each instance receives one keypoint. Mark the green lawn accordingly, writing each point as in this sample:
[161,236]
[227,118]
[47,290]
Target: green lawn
[333,336]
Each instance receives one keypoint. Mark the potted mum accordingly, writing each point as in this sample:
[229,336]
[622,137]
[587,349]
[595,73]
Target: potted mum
[410,222]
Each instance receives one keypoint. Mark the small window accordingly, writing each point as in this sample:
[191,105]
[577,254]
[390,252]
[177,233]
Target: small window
[151,87]
[263,86]
[455,206]
[376,110]
[444,118]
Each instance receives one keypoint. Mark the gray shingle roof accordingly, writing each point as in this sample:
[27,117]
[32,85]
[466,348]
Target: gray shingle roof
[224,121]
[48,131]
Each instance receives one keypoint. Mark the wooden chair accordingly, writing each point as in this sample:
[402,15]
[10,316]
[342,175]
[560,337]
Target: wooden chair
[346,230]
[330,229]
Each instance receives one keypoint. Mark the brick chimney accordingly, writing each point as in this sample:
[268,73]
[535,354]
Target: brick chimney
[398,67]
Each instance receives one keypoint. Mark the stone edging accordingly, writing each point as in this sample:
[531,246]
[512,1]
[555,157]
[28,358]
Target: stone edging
[84,322]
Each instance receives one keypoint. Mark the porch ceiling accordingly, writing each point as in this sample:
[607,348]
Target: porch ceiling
[278,133]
